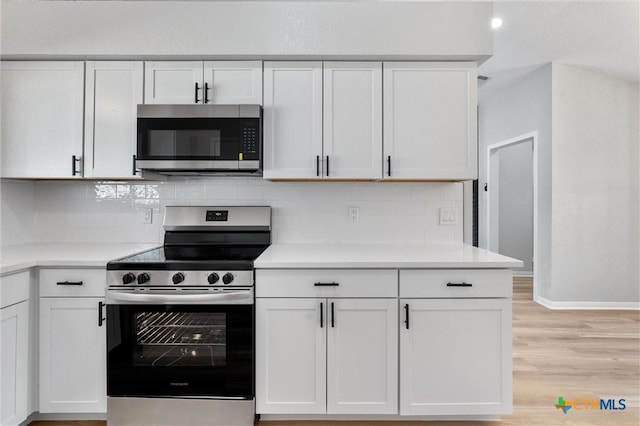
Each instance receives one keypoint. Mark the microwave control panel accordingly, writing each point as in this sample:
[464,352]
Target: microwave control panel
[250,141]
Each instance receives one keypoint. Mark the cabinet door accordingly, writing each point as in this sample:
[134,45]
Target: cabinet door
[291,356]
[362,360]
[233,82]
[293,120]
[72,356]
[352,120]
[113,91]
[15,337]
[455,356]
[173,82]
[42,112]
[430,121]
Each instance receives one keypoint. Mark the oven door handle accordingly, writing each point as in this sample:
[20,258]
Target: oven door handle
[243,297]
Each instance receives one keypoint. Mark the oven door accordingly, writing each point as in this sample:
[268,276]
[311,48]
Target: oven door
[180,351]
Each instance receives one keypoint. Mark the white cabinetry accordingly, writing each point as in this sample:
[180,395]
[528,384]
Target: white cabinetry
[113,90]
[292,120]
[14,367]
[430,121]
[455,342]
[323,120]
[42,111]
[72,341]
[327,349]
[218,82]
[352,120]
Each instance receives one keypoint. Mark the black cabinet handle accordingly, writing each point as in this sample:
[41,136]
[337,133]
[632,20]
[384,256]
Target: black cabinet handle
[327,166]
[206,93]
[133,168]
[101,319]
[406,314]
[196,93]
[69,283]
[332,284]
[321,314]
[317,165]
[333,316]
[74,160]
[389,165]
[459,285]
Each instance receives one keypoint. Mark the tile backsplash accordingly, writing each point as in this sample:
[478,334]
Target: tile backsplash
[17,215]
[302,211]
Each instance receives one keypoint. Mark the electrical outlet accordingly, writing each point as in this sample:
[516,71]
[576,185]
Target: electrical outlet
[448,216]
[354,214]
[147,216]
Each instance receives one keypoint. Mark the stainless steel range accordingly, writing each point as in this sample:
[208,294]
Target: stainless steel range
[180,321]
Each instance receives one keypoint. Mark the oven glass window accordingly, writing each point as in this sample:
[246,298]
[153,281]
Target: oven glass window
[180,339]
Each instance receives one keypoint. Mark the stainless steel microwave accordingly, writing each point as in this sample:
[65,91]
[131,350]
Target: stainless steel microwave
[199,139]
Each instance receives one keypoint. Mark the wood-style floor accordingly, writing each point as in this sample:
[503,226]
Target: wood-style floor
[573,354]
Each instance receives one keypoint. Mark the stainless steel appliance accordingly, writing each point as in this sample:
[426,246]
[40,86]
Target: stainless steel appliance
[180,321]
[199,139]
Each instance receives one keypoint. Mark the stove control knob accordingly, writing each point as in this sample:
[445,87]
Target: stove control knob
[177,278]
[143,278]
[128,278]
[227,278]
[213,278]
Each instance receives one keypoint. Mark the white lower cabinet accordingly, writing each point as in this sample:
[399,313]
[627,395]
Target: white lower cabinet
[14,369]
[72,341]
[454,357]
[326,356]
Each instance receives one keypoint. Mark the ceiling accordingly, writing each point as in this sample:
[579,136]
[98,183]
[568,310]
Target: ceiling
[602,36]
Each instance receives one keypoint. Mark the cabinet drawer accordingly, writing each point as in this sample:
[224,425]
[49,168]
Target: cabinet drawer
[65,282]
[337,283]
[456,283]
[14,288]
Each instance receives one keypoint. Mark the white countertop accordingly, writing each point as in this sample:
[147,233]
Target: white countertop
[452,255]
[23,256]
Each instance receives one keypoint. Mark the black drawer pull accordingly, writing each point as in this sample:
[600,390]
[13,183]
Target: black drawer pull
[459,285]
[69,283]
[326,284]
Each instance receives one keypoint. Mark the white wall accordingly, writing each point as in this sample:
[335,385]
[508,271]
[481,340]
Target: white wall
[302,212]
[518,109]
[596,216]
[17,212]
[321,30]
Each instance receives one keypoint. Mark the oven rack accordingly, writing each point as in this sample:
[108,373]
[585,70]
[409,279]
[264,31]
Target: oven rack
[180,328]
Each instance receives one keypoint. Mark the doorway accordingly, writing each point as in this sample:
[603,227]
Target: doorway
[512,200]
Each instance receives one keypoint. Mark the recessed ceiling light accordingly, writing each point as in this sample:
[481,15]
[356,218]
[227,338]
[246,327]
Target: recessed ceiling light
[496,23]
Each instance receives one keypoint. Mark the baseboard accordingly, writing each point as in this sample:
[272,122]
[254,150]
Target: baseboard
[604,306]
[523,274]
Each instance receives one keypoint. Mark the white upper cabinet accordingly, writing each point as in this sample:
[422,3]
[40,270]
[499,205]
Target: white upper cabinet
[42,119]
[352,120]
[233,82]
[430,121]
[113,90]
[292,120]
[197,82]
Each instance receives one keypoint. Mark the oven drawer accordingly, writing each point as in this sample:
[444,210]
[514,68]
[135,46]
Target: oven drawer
[326,283]
[72,282]
[448,283]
